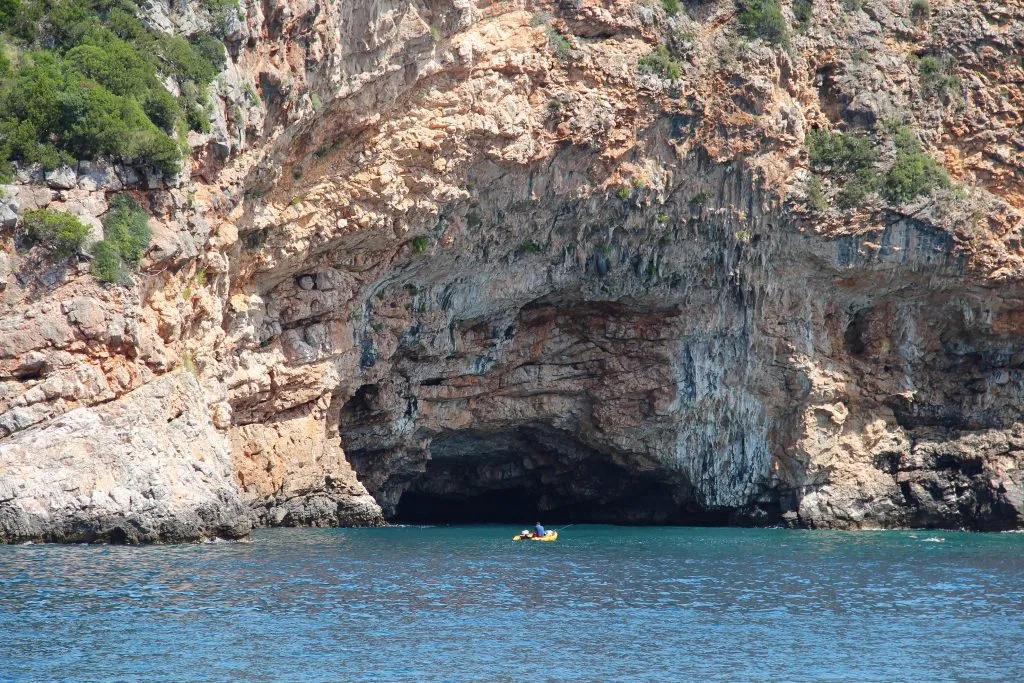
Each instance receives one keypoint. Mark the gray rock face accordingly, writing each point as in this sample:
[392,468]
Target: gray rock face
[148,468]
[63,178]
[8,215]
[97,175]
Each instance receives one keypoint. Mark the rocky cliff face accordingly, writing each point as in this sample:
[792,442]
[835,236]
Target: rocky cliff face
[462,261]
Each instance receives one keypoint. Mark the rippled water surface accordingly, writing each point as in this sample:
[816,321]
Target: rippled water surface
[457,603]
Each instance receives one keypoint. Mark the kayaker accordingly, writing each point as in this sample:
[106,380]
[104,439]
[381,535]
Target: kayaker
[538,530]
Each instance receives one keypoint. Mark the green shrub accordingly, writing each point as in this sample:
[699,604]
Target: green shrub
[914,174]
[856,188]
[24,21]
[840,151]
[624,192]
[126,225]
[419,244]
[126,235]
[658,61]
[8,11]
[920,9]
[802,10]
[559,43]
[88,83]
[197,109]
[106,262]
[935,75]
[184,60]
[156,149]
[816,199]
[529,247]
[671,7]
[57,231]
[763,19]
[211,50]
[20,140]
[162,108]
[852,157]
[115,65]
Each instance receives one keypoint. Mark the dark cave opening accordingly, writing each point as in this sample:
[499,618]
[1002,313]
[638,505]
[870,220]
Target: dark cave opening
[494,507]
[531,474]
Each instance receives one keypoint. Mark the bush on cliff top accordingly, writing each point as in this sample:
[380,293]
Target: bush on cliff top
[86,81]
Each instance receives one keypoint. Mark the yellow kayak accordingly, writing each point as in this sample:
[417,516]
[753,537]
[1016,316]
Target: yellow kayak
[549,536]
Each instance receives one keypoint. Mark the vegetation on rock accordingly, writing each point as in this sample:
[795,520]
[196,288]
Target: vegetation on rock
[126,234]
[840,151]
[763,19]
[802,11]
[816,199]
[920,9]
[658,61]
[935,75]
[856,188]
[82,79]
[854,159]
[914,174]
[559,43]
[58,231]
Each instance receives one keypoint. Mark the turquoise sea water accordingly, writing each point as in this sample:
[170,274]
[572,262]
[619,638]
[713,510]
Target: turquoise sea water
[466,603]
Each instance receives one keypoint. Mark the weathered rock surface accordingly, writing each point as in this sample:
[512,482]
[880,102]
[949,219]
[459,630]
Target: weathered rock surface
[434,263]
[150,467]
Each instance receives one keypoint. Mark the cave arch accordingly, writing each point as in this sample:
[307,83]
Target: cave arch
[520,474]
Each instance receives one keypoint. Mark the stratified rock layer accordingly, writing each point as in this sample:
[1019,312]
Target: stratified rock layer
[465,262]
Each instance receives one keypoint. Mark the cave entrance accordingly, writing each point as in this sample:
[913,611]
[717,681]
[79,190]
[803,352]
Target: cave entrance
[528,474]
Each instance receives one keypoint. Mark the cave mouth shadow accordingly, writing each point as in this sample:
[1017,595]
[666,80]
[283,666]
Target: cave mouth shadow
[530,474]
[509,506]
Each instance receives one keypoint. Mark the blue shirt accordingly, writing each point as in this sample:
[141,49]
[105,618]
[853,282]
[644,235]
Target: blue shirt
[538,530]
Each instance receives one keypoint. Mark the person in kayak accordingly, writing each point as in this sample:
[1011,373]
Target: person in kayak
[538,530]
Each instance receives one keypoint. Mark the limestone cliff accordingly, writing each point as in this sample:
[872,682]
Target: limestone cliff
[454,260]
